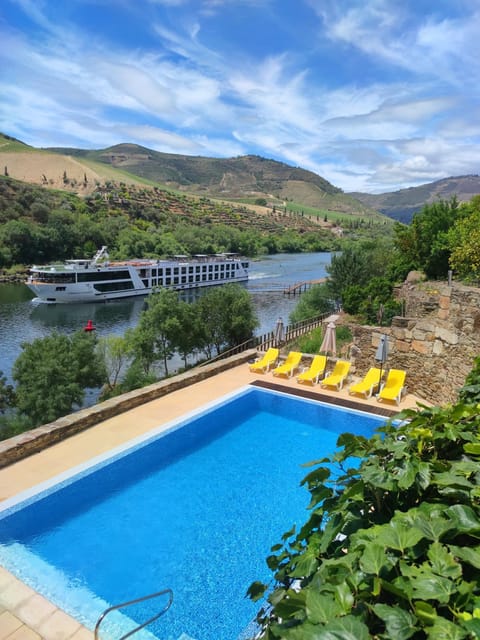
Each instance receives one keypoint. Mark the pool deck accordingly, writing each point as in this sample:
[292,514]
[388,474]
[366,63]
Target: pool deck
[25,614]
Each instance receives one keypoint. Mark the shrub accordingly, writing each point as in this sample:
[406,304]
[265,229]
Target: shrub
[391,547]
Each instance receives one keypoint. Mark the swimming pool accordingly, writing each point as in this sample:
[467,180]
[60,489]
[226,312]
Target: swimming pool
[195,508]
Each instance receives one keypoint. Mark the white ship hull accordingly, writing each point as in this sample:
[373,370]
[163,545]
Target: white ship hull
[94,281]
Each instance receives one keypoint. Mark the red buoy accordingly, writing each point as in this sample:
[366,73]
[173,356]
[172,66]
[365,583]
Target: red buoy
[89,326]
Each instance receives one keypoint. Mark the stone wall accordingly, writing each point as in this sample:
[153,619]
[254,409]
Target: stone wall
[435,343]
[29,442]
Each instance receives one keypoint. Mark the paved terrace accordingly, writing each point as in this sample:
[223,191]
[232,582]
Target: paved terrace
[25,614]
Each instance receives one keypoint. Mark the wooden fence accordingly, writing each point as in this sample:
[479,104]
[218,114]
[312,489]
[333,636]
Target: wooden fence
[267,340]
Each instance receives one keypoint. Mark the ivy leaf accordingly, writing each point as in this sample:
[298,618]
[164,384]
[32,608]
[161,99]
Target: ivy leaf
[424,475]
[305,564]
[472,448]
[374,559]
[321,607]
[345,628]
[344,597]
[400,624]
[464,517]
[471,555]
[256,591]
[407,475]
[443,629]
[399,535]
[448,479]
[432,587]
[442,561]
[432,525]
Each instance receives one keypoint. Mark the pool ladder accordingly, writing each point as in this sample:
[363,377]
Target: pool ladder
[136,601]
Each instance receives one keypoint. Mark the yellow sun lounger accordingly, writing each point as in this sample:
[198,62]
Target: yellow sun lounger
[394,386]
[266,362]
[368,384]
[338,375]
[290,365]
[315,371]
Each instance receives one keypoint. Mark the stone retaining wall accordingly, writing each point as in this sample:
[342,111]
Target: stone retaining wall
[20,446]
[436,343]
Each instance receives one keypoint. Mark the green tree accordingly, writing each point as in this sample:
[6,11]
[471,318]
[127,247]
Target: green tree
[116,354]
[424,243]
[227,316]
[464,240]
[349,267]
[155,338]
[7,394]
[314,302]
[52,374]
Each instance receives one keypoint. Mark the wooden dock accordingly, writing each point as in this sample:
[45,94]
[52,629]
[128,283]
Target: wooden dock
[300,287]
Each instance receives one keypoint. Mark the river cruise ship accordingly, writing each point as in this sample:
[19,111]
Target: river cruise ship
[101,279]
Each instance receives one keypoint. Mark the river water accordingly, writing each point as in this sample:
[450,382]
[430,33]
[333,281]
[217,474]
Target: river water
[23,319]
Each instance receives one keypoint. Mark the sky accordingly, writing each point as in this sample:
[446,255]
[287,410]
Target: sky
[372,95]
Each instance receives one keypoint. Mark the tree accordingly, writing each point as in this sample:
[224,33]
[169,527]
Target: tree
[52,374]
[424,243]
[314,302]
[347,268]
[115,353]
[156,335]
[464,240]
[227,317]
[7,394]
[390,549]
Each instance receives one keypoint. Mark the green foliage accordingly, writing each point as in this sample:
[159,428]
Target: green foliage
[464,240]
[391,548]
[470,392]
[154,338]
[424,244]
[311,342]
[52,374]
[39,225]
[7,394]
[312,303]
[227,317]
[351,267]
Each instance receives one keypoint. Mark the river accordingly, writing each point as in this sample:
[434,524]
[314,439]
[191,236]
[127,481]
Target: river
[23,319]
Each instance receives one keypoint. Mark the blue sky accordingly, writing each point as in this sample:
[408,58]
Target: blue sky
[373,95]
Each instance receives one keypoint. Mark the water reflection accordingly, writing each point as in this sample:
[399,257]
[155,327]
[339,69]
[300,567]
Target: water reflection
[107,315]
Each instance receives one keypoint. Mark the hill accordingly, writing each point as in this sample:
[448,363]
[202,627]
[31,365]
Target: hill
[247,179]
[401,205]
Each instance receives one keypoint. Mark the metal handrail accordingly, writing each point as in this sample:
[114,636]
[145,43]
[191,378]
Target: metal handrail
[136,601]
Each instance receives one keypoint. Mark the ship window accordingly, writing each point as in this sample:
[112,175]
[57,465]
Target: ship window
[96,276]
[175,271]
[204,268]
[60,288]
[184,279]
[114,286]
[168,281]
[168,271]
[184,270]
[175,280]
[197,268]
[190,269]
[190,278]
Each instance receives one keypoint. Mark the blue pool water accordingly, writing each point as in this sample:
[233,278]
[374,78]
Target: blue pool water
[195,509]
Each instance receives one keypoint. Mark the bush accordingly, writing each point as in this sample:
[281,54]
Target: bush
[391,547]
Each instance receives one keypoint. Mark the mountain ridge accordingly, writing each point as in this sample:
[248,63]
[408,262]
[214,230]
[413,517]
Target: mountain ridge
[402,204]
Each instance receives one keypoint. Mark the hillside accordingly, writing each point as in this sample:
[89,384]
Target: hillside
[248,179]
[402,204]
